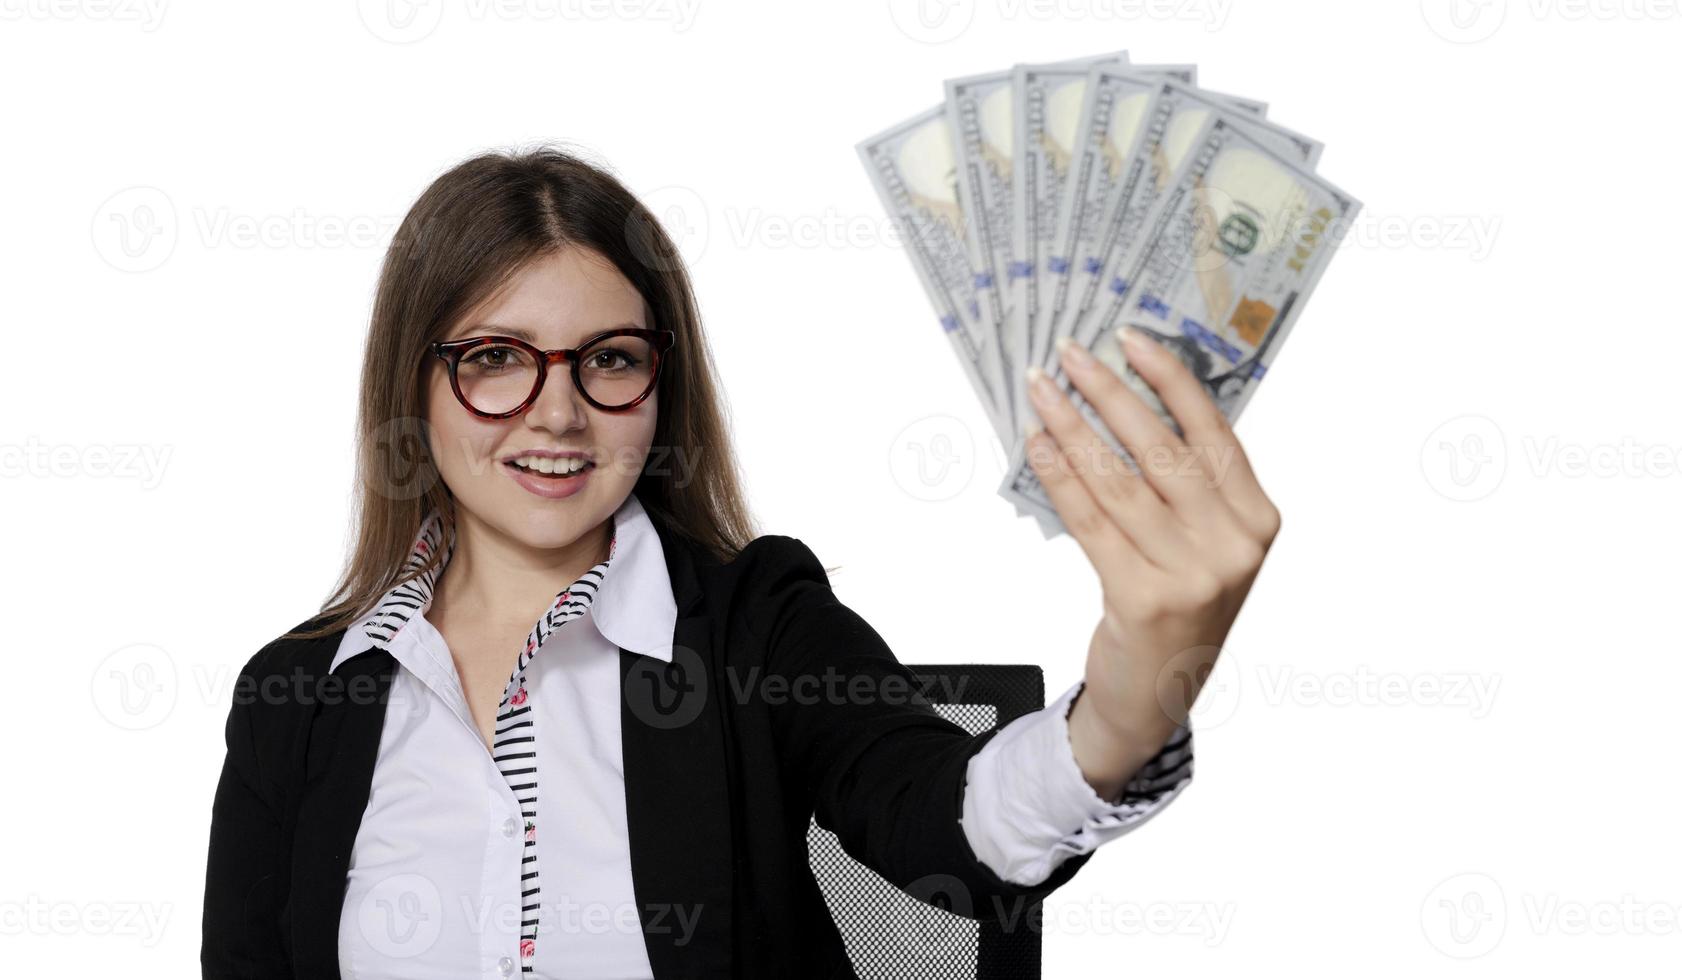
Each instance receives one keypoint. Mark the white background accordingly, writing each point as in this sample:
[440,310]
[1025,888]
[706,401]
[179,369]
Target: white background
[1435,745]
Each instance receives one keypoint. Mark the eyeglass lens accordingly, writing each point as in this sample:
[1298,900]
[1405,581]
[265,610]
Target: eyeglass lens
[497,378]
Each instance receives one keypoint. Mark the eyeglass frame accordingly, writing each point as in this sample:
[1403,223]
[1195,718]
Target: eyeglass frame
[451,352]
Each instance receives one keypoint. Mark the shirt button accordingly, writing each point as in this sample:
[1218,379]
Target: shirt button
[508,827]
[505,965]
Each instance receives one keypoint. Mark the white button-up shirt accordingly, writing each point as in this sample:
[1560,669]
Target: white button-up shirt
[470,862]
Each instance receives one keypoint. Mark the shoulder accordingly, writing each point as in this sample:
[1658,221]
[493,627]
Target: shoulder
[273,700]
[283,678]
[774,583]
[288,654]
[772,566]
[776,552]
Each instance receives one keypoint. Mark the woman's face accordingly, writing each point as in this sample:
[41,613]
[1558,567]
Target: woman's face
[558,300]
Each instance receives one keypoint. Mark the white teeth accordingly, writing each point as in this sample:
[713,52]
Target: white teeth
[545,464]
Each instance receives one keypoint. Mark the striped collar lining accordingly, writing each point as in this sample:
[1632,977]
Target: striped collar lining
[638,613]
[404,600]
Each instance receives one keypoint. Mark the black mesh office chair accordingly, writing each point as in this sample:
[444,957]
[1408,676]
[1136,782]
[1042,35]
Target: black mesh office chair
[891,935]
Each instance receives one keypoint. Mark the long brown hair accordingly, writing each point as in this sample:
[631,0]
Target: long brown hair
[466,236]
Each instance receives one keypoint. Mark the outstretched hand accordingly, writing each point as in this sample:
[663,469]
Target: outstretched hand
[1176,544]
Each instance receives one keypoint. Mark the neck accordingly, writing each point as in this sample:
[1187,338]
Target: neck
[492,577]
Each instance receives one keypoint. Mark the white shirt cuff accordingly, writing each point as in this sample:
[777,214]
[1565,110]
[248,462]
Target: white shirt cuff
[1027,808]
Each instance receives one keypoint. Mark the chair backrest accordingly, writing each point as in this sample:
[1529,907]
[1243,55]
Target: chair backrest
[891,934]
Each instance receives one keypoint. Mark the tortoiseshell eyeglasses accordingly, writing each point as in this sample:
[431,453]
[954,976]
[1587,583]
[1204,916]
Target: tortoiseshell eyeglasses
[499,377]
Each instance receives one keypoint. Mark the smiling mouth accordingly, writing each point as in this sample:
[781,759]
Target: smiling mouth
[557,469]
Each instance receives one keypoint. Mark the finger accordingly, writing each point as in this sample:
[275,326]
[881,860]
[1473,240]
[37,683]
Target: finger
[1207,432]
[1107,547]
[1167,464]
[1121,493]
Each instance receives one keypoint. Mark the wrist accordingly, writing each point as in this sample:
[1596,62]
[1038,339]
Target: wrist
[1107,754]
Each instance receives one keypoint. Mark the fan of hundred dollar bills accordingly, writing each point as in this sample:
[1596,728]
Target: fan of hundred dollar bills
[1074,198]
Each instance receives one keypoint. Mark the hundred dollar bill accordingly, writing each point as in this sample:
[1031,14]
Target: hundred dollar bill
[1195,108]
[1048,100]
[1113,100]
[978,115]
[980,111]
[1114,141]
[1147,153]
[911,166]
[1232,250]
[1152,163]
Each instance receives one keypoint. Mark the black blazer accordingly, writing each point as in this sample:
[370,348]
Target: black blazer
[723,773]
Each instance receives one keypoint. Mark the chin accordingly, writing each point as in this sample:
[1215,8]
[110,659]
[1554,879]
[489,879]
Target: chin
[555,523]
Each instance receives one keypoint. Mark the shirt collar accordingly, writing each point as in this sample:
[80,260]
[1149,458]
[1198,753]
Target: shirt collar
[634,607]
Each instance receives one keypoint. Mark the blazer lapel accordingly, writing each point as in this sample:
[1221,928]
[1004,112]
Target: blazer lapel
[677,796]
[343,743]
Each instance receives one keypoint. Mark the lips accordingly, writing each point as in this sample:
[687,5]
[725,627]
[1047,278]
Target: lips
[550,485]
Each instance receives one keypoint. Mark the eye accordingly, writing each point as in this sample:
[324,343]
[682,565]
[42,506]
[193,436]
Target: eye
[610,359]
[493,357]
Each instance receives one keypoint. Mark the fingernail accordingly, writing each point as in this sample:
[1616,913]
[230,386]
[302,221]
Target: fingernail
[1040,384]
[1031,428]
[1133,340]
[1073,353]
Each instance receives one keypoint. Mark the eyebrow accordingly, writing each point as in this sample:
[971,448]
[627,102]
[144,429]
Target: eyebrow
[530,337]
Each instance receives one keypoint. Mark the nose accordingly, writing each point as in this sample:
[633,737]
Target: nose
[559,406]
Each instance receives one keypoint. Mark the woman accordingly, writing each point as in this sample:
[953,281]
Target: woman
[420,782]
